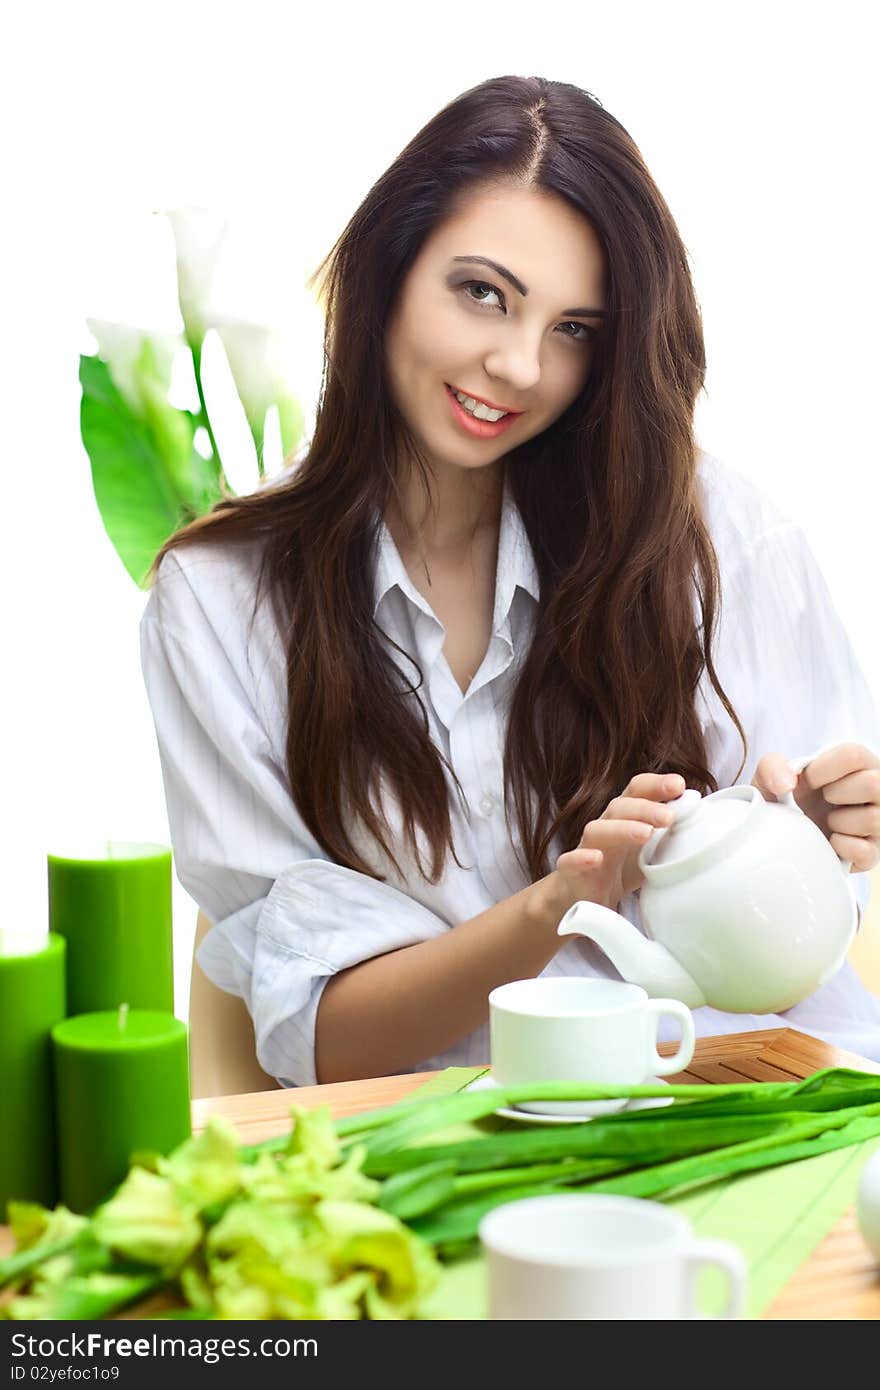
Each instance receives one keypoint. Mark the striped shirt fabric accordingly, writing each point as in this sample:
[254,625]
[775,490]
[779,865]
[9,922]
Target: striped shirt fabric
[287,918]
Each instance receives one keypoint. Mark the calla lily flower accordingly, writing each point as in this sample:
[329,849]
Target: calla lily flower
[259,359]
[157,465]
[198,237]
[122,347]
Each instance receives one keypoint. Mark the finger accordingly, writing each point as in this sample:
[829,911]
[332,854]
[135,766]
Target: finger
[773,776]
[615,834]
[863,821]
[655,813]
[657,786]
[838,762]
[575,859]
[858,789]
[862,854]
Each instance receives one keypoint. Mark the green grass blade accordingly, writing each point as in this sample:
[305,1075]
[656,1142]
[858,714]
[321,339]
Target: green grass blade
[457,1222]
[416,1117]
[803,1141]
[419,1190]
[21,1262]
[597,1139]
[397,1126]
[567,1172]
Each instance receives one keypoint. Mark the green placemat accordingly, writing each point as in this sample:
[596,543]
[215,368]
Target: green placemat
[777,1217]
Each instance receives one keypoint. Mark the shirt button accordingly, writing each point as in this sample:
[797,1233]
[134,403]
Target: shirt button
[487,805]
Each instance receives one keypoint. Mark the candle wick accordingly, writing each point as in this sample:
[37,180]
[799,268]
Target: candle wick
[123,1017]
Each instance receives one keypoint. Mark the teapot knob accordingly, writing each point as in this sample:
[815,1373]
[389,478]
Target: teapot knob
[685,805]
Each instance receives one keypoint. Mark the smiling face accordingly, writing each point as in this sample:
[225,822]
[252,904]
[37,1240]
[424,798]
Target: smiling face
[501,306]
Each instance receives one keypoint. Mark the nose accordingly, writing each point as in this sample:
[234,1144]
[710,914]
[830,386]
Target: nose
[516,361]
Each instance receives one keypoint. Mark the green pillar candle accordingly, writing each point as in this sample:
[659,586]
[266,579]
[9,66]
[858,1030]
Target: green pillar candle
[113,906]
[31,1002]
[121,1085]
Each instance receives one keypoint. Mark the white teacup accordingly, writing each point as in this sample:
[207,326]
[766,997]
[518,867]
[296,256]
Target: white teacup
[586,1256]
[569,1028]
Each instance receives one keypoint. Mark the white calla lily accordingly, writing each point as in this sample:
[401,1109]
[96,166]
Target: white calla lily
[198,237]
[121,346]
[259,360]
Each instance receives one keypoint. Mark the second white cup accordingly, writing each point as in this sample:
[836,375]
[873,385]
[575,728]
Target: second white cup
[592,1256]
[569,1028]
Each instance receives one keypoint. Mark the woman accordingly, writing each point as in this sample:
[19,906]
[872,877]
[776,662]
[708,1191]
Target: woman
[442,679]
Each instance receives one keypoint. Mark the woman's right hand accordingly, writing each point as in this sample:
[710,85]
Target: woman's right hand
[604,867]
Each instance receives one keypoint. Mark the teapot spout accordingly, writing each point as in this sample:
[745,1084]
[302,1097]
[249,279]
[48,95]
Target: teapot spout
[638,960]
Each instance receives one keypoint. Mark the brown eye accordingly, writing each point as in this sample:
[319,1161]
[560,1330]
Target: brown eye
[586,334]
[477,290]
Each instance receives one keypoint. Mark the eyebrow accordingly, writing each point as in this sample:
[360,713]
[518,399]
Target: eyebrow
[514,280]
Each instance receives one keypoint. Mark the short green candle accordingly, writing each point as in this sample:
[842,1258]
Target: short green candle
[113,907]
[31,1002]
[121,1086]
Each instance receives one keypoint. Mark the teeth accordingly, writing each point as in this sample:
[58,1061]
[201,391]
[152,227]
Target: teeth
[482,412]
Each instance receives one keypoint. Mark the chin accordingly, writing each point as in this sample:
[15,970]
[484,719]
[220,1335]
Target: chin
[468,465]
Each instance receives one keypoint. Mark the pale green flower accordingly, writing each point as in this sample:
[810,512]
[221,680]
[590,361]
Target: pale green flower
[33,1224]
[146,1221]
[205,1169]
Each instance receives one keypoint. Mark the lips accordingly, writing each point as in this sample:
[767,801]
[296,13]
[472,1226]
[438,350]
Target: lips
[481,400]
[473,425]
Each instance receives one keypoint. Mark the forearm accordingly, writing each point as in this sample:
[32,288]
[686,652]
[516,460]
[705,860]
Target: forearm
[388,1013]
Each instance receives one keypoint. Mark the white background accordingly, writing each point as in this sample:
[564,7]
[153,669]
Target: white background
[758,121]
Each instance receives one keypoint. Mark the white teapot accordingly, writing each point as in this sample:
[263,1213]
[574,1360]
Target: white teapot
[749,907]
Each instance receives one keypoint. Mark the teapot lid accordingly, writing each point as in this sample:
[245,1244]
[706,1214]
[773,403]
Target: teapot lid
[700,821]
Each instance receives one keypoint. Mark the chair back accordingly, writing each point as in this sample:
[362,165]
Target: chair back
[222,1049]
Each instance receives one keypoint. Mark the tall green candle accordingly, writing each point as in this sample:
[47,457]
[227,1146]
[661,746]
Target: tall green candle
[31,1002]
[113,907]
[121,1085]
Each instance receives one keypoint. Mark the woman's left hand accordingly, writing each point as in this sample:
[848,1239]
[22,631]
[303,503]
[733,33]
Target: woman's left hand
[840,791]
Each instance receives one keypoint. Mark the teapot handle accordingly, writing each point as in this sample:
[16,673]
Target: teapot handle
[798,765]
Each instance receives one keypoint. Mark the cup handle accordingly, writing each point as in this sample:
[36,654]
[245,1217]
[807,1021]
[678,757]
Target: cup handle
[731,1261]
[664,1065]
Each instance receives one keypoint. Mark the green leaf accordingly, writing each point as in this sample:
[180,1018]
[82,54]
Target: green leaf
[412,1193]
[144,488]
[598,1139]
[457,1222]
[94,1296]
[802,1140]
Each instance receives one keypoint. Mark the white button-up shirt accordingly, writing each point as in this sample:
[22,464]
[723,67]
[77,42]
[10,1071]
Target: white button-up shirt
[287,918]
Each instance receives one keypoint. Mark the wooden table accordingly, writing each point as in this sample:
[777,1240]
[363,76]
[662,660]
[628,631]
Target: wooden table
[839,1281]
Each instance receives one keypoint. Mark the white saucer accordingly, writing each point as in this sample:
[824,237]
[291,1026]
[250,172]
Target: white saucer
[573,1116]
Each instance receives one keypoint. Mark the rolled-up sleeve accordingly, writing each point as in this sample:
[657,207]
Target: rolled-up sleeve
[278,953]
[286,917]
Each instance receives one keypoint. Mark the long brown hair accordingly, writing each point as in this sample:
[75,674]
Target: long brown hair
[607,494]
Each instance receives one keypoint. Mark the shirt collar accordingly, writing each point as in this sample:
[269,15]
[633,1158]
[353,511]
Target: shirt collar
[516,564]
